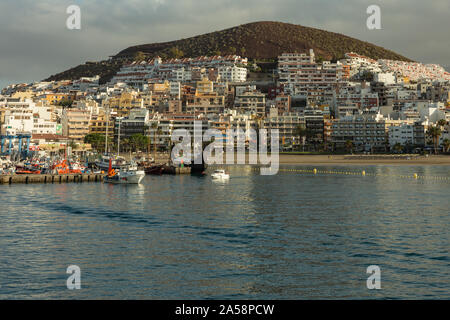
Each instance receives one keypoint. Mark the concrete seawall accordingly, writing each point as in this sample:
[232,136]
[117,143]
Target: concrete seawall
[49,178]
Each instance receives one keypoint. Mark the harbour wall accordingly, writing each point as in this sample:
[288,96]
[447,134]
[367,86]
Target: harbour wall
[49,178]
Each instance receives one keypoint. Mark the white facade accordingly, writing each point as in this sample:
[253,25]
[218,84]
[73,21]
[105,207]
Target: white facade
[232,74]
[18,117]
[387,78]
[402,134]
[43,120]
[175,89]
[137,74]
[302,76]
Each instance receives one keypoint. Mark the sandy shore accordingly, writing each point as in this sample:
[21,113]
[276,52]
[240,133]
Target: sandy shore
[349,160]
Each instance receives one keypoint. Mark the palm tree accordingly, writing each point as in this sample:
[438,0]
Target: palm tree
[259,120]
[155,128]
[73,144]
[136,142]
[446,145]
[302,132]
[126,143]
[159,132]
[434,133]
[398,147]
[442,122]
[349,145]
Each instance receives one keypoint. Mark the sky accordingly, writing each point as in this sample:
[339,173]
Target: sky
[35,42]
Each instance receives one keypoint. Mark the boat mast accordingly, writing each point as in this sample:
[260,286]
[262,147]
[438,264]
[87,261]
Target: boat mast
[118,139]
[107,127]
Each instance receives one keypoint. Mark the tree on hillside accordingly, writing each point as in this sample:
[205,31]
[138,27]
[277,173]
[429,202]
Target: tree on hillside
[65,103]
[176,53]
[140,56]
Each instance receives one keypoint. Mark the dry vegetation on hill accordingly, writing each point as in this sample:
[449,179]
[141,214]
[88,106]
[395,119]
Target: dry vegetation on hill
[258,40]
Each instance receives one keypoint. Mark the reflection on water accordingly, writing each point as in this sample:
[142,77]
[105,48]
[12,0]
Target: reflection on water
[290,236]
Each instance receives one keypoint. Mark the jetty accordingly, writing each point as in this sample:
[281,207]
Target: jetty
[49,178]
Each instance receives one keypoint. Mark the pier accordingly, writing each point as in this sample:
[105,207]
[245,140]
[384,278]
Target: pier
[50,178]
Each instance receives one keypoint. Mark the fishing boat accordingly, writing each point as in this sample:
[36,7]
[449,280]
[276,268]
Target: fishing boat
[28,168]
[128,175]
[27,171]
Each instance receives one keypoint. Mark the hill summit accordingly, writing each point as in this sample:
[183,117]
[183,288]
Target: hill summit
[259,40]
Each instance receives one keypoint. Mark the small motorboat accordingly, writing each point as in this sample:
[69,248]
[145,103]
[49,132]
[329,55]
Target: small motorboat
[220,175]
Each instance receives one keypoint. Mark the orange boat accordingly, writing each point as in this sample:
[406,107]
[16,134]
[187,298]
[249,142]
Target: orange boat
[63,168]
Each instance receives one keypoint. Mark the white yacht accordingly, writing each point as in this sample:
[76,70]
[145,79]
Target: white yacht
[220,175]
[129,175]
[116,162]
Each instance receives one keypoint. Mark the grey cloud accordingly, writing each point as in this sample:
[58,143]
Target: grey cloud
[34,42]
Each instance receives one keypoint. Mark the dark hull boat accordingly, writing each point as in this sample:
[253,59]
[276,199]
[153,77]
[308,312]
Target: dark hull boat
[154,170]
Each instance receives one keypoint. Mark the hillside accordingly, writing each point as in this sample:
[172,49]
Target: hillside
[258,40]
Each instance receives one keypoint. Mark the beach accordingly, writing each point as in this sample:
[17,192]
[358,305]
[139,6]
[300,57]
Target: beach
[306,159]
[363,160]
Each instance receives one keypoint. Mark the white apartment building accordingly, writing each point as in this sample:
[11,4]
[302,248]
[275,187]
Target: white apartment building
[354,94]
[367,132]
[232,74]
[302,76]
[18,116]
[181,75]
[137,74]
[175,89]
[44,120]
[412,134]
[360,64]
[433,112]
[403,135]
[251,101]
[75,123]
[414,70]
[286,124]
[167,123]
[386,77]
